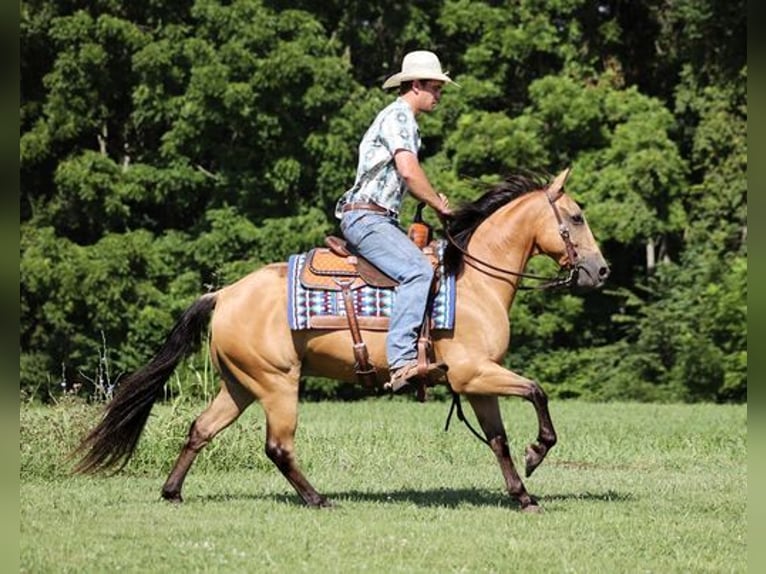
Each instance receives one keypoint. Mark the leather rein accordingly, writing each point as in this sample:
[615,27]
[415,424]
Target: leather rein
[550,282]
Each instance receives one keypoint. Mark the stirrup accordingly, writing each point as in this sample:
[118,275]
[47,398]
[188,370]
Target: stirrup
[401,378]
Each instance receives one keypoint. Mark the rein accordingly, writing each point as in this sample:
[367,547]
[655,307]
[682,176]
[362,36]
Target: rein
[550,282]
[456,404]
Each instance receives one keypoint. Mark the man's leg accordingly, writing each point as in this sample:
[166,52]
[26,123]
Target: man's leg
[380,240]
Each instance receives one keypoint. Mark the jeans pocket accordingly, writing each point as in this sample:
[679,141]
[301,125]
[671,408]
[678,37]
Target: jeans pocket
[349,220]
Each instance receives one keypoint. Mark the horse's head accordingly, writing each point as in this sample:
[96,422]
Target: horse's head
[564,235]
[522,217]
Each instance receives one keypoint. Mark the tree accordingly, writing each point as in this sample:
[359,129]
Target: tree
[170,147]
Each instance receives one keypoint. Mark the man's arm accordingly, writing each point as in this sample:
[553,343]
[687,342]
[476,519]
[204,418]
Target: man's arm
[409,168]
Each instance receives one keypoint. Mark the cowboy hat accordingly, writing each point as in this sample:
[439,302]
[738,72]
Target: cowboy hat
[419,65]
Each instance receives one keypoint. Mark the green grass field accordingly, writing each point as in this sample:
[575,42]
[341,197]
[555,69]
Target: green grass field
[629,488]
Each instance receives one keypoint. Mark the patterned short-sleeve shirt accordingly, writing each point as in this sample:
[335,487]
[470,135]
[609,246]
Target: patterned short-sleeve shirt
[377,180]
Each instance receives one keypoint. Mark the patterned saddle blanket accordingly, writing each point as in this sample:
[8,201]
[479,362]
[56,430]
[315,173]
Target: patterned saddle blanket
[309,307]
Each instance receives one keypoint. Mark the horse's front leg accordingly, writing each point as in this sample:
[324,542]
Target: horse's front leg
[487,412]
[498,381]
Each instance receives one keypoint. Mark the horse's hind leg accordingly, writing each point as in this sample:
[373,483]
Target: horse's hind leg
[281,408]
[230,402]
[487,411]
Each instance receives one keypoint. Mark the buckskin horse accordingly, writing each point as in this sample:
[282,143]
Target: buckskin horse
[260,358]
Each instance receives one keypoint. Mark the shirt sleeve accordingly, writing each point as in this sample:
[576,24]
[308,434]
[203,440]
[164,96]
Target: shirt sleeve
[398,131]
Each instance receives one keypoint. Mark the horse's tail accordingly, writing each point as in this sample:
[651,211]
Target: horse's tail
[112,442]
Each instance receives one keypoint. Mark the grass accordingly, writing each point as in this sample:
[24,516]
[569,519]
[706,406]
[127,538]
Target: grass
[629,488]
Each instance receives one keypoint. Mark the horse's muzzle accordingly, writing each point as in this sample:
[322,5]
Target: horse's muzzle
[591,273]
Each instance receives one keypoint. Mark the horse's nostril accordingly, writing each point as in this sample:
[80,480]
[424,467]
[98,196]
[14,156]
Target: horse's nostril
[603,272]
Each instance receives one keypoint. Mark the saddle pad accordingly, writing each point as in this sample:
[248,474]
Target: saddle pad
[324,309]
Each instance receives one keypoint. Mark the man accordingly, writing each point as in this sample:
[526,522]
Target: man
[369,211]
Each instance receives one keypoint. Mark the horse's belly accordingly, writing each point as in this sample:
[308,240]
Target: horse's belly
[331,354]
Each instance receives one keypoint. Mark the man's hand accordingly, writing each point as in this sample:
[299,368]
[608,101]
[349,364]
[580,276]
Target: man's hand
[444,210]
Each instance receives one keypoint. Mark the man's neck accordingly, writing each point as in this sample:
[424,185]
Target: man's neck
[411,99]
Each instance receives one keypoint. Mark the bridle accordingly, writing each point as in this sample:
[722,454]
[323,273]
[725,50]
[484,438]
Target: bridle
[560,281]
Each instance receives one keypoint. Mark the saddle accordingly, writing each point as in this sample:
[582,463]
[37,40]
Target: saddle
[336,267]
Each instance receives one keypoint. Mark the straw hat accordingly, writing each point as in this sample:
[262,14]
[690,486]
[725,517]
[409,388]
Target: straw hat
[419,65]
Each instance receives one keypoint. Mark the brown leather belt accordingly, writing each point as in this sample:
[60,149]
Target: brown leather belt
[366,207]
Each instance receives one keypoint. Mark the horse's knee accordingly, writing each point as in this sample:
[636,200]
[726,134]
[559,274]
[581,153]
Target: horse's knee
[536,395]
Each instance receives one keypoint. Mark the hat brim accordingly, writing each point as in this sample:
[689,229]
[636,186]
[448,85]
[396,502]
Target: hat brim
[397,79]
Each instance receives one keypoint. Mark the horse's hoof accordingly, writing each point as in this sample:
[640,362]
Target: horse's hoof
[320,502]
[172,497]
[532,509]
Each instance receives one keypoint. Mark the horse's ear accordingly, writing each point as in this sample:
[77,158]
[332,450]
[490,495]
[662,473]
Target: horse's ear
[556,188]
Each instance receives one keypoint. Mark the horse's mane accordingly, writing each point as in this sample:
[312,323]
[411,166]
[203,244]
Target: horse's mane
[468,217]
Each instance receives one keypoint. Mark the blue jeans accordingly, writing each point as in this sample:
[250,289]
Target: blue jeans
[379,239]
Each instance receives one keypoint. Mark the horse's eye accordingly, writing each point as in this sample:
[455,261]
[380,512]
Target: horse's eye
[578,219]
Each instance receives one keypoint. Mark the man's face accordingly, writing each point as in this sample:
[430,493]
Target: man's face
[429,94]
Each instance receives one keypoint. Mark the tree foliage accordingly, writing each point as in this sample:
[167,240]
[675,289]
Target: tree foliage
[168,148]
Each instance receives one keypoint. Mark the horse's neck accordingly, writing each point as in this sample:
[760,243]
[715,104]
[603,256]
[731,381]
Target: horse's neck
[506,241]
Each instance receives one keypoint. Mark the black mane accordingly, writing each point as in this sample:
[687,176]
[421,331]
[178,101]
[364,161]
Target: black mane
[468,217]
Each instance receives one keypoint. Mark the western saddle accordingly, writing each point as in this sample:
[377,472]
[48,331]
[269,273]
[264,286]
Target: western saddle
[336,267]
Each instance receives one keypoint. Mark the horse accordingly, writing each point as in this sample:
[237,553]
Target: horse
[259,358]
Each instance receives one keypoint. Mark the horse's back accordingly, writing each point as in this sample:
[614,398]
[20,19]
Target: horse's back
[262,289]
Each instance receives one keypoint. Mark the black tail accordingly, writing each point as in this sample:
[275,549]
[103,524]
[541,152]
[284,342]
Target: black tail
[112,442]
